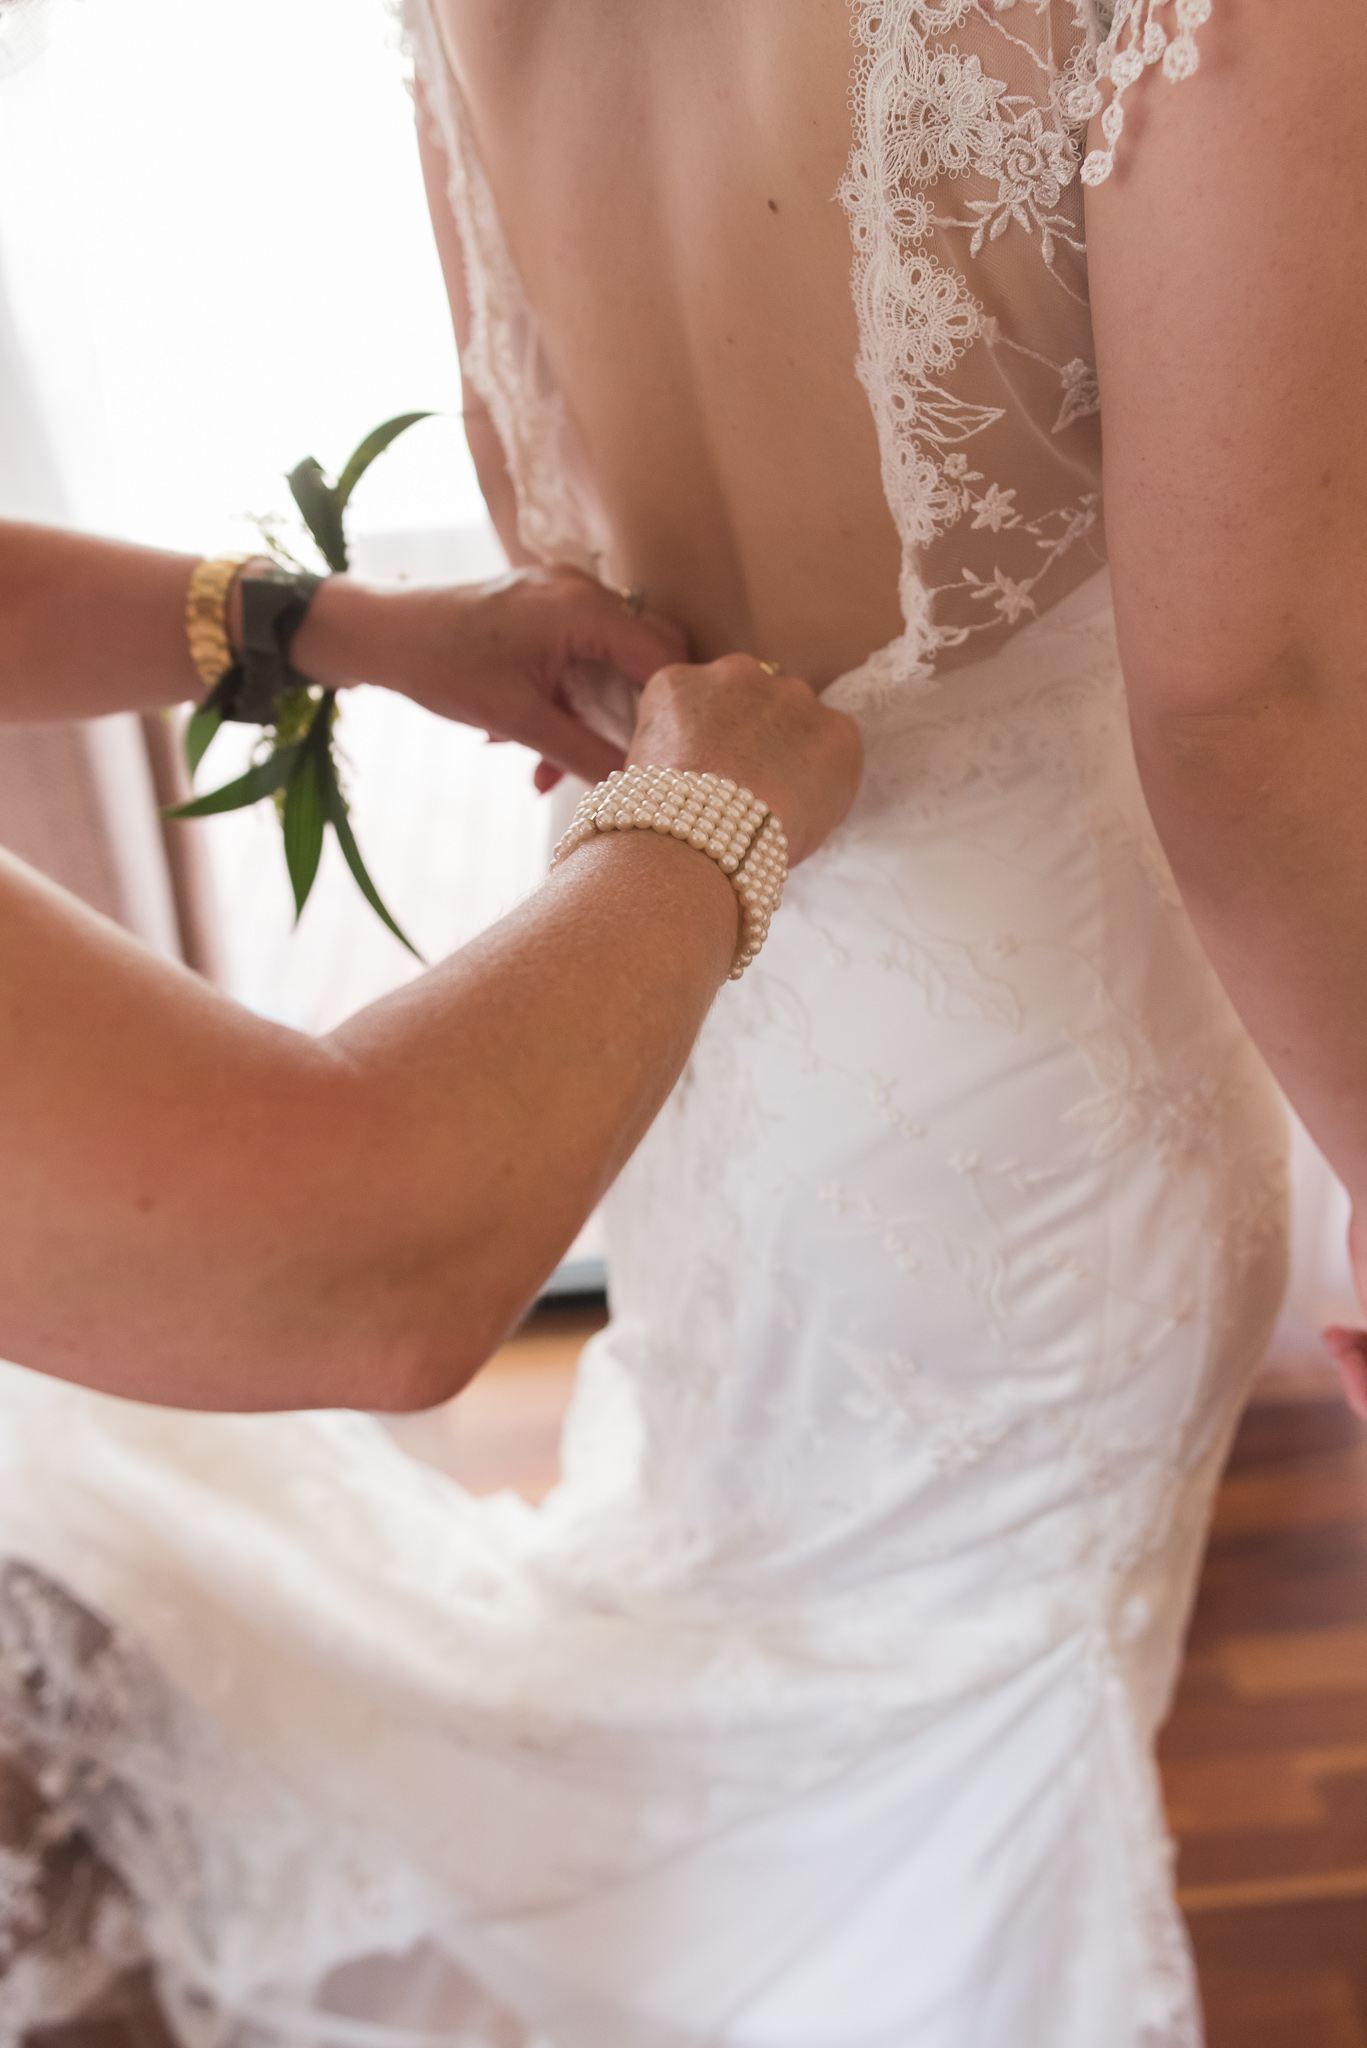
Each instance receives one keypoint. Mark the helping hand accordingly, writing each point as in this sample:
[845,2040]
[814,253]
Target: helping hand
[499,657]
[493,654]
[770,733]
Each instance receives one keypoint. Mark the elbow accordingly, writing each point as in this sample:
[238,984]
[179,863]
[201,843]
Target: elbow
[1215,772]
[1236,717]
[1201,671]
[420,1369]
[1241,765]
[431,1349]
[452,1321]
[408,1276]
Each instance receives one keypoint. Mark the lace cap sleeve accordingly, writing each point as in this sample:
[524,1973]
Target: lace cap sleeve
[1142,32]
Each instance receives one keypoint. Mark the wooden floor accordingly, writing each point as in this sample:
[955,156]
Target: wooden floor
[1264,1758]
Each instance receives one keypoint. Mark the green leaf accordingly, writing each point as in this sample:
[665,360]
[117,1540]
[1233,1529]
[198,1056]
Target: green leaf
[303,827]
[202,726]
[375,443]
[263,780]
[334,803]
[322,510]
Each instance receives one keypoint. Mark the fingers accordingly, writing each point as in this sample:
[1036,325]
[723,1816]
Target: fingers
[769,733]
[566,744]
[637,643]
[545,776]
[1348,1349]
[737,670]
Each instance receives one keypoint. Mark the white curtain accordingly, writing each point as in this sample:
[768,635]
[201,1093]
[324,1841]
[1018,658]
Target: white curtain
[76,800]
[220,261]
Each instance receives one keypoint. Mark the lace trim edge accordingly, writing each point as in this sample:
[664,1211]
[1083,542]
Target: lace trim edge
[1137,40]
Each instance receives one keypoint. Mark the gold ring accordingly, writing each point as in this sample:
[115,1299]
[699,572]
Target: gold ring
[633,598]
[772,668]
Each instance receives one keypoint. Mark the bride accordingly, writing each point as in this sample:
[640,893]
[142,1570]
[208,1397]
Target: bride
[815,1708]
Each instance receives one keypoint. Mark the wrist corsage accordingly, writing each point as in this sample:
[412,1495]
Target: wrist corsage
[258,685]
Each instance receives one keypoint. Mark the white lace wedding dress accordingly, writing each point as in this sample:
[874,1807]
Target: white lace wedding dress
[814,1709]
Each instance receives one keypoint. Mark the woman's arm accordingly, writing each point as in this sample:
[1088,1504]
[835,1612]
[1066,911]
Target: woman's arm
[486,450]
[204,1209]
[1228,260]
[91,626]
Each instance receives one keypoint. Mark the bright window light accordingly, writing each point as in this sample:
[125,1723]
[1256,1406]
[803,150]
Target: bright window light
[214,237]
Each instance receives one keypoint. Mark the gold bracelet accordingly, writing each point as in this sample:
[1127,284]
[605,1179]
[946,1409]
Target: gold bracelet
[206,627]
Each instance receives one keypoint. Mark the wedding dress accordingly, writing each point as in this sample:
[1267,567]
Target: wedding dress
[814,1709]
[25,26]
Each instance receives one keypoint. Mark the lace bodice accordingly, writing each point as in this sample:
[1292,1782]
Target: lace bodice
[965,207]
[964,192]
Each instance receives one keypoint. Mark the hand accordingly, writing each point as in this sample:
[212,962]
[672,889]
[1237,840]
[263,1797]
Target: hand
[493,655]
[1348,1348]
[771,734]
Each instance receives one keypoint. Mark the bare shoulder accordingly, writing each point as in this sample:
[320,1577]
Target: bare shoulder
[1228,264]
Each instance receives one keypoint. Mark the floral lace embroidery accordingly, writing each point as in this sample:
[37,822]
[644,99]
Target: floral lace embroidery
[1136,40]
[952,349]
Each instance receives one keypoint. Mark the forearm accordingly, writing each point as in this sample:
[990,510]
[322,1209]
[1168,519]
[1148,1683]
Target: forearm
[90,626]
[230,1215]
[513,1084]
[1258,803]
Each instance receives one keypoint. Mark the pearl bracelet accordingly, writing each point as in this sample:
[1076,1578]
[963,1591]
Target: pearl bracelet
[730,825]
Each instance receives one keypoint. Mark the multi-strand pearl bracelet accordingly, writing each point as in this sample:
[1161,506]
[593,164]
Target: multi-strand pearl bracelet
[730,825]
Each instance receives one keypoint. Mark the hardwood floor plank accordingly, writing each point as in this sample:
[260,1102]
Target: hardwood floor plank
[1295,1428]
[1256,2010]
[1273,1697]
[1255,1788]
[1274,1891]
[1210,1723]
[1269,1854]
[1327,1487]
[1307,1577]
[1295,1662]
[1286,1942]
[1346,1759]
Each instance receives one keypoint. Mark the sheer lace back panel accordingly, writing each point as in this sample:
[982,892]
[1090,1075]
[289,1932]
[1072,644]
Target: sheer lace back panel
[965,198]
[964,191]
[965,207]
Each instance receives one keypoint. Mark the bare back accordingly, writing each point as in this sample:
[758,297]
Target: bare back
[680,192]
